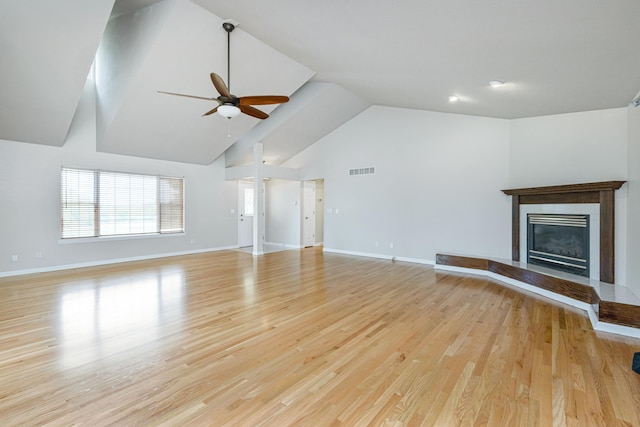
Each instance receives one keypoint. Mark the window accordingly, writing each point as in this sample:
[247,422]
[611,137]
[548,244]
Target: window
[98,203]
[248,201]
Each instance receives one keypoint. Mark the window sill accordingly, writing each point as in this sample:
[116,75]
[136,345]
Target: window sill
[123,237]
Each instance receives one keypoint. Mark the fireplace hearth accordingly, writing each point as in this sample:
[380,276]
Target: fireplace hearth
[559,241]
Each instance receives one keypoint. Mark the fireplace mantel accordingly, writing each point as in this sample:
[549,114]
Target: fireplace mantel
[593,192]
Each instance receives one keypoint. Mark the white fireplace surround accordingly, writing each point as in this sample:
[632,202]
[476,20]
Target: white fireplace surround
[591,209]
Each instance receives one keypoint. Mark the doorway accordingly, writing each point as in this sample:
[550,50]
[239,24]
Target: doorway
[312,213]
[308,213]
[245,213]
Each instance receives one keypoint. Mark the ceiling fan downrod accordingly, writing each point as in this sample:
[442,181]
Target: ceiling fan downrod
[228,27]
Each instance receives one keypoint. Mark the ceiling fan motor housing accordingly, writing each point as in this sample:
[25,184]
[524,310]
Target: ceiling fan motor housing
[223,100]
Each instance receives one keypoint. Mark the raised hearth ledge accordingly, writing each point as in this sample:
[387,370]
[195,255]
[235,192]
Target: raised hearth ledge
[610,308]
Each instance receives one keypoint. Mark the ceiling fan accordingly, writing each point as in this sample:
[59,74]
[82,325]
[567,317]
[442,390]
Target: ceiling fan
[230,105]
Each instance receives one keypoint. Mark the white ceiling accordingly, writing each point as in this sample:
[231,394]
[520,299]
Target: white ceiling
[555,56]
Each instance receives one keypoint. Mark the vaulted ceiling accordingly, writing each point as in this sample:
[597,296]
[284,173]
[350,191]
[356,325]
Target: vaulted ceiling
[47,49]
[333,59]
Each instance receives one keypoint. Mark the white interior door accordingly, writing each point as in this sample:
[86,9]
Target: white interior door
[245,214]
[308,213]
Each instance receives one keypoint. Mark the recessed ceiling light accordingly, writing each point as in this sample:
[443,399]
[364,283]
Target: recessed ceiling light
[495,83]
[453,98]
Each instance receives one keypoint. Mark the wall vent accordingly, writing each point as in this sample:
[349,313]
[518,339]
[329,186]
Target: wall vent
[362,171]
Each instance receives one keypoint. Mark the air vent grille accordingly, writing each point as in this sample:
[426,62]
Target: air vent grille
[362,171]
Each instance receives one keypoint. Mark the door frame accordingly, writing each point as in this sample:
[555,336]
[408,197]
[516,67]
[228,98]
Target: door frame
[245,230]
[308,214]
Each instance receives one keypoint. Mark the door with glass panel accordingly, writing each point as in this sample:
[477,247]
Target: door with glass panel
[245,214]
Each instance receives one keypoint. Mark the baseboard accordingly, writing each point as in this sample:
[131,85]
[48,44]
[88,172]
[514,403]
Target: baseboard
[109,261]
[380,256]
[416,260]
[284,245]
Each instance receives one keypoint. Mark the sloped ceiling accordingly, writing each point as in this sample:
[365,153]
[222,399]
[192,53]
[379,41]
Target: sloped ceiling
[173,46]
[47,48]
[334,104]
[295,126]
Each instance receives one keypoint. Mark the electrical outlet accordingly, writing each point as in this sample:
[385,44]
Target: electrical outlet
[391,245]
[38,254]
[14,257]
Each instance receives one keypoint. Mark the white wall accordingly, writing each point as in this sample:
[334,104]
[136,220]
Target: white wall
[633,185]
[282,211]
[436,187]
[568,148]
[30,202]
[571,149]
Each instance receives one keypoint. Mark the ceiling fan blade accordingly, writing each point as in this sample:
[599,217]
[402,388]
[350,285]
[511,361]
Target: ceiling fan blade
[263,100]
[210,111]
[247,109]
[220,86]
[188,96]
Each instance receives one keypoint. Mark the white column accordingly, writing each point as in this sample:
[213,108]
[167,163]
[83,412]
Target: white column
[258,200]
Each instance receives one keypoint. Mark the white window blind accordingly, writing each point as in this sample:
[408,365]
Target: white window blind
[171,205]
[100,203]
[79,204]
[128,204]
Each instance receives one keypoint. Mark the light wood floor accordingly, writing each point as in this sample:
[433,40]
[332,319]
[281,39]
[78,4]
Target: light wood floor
[301,338]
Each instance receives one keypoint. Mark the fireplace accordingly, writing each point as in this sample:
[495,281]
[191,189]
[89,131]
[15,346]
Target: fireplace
[559,241]
[600,193]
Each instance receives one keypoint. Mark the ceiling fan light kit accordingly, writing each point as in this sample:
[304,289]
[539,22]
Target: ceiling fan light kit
[228,111]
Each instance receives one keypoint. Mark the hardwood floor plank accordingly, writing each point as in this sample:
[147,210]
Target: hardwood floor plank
[300,338]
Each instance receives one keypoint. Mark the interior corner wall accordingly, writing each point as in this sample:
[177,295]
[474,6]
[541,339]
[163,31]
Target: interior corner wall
[436,185]
[30,202]
[125,45]
[575,148]
[633,207]
[282,210]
